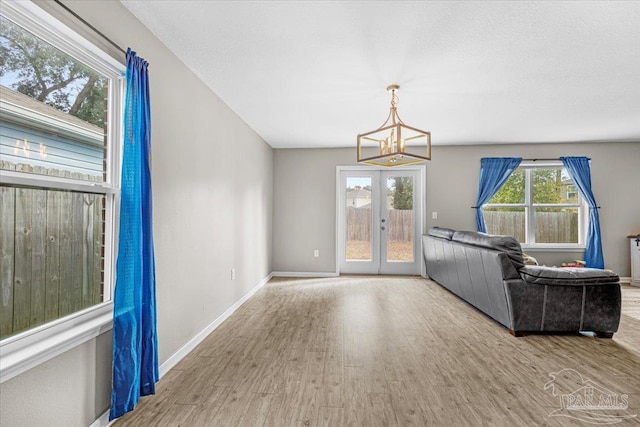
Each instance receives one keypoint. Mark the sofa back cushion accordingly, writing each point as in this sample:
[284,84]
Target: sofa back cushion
[443,233]
[507,244]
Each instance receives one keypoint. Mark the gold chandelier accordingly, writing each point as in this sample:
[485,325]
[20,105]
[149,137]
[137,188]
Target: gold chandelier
[394,143]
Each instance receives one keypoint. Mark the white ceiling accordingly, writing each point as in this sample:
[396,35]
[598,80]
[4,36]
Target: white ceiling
[314,73]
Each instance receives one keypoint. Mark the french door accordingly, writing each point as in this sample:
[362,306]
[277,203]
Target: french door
[380,220]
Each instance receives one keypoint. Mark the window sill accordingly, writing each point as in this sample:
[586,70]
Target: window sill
[25,351]
[552,248]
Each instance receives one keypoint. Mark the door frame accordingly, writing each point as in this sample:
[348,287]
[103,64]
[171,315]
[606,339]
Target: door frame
[420,222]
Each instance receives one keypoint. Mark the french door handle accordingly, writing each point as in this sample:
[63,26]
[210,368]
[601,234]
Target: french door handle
[383,220]
[382,228]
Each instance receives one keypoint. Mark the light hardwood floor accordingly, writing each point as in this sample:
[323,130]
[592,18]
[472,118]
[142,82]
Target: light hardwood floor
[383,351]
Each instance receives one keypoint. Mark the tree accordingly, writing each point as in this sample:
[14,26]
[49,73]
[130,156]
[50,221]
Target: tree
[402,193]
[547,187]
[512,191]
[49,75]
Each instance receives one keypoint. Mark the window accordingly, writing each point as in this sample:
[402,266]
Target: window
[60,144]
[539,205]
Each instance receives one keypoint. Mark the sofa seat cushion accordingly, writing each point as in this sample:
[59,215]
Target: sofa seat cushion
[443,233]
[507,244]
[541,275]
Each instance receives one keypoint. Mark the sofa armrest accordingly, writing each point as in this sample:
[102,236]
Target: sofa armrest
[443,233]
[541,275]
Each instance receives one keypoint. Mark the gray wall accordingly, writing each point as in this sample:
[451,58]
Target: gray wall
[212,212]
[304,200]
[305,205]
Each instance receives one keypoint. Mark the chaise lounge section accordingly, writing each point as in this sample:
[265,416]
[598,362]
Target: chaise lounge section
[489,273]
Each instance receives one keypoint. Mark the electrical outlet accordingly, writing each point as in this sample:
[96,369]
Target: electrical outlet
[316,253]
[434,215]
[233,274]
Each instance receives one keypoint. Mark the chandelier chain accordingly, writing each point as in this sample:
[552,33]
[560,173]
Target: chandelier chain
[394,99]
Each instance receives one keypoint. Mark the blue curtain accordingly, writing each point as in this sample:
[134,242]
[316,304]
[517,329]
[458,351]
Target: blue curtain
[580,171]
[135,347]
[494,172]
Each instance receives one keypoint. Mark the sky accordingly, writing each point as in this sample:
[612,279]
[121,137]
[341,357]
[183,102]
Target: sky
[354,181]
[363,181]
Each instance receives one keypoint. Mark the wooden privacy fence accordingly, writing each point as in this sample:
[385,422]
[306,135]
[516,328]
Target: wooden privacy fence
[551,227]
[399,224]
[51,252]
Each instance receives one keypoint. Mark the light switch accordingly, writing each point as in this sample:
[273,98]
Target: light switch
[434,215]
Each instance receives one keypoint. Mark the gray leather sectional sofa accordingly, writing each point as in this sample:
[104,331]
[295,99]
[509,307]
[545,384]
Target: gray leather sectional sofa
[488,272]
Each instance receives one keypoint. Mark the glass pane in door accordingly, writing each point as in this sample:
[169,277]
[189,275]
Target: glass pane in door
[398,222]
[358,222]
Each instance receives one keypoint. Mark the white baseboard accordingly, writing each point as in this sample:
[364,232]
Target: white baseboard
[189,346]
[103,420]
[304,274]
[628,281]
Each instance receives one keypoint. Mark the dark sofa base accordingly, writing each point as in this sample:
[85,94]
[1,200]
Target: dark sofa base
[587,308]
[519,334]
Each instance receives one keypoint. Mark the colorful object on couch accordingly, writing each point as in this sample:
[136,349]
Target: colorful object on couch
[574,264]
[529,260]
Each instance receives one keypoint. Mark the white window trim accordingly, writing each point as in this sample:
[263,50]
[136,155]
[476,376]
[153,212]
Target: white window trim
[528,206]
[24,351]
[58,183]
[32,347]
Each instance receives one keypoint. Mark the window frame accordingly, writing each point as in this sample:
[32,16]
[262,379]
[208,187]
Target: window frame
[27,349]
[573,190]
[530,207]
